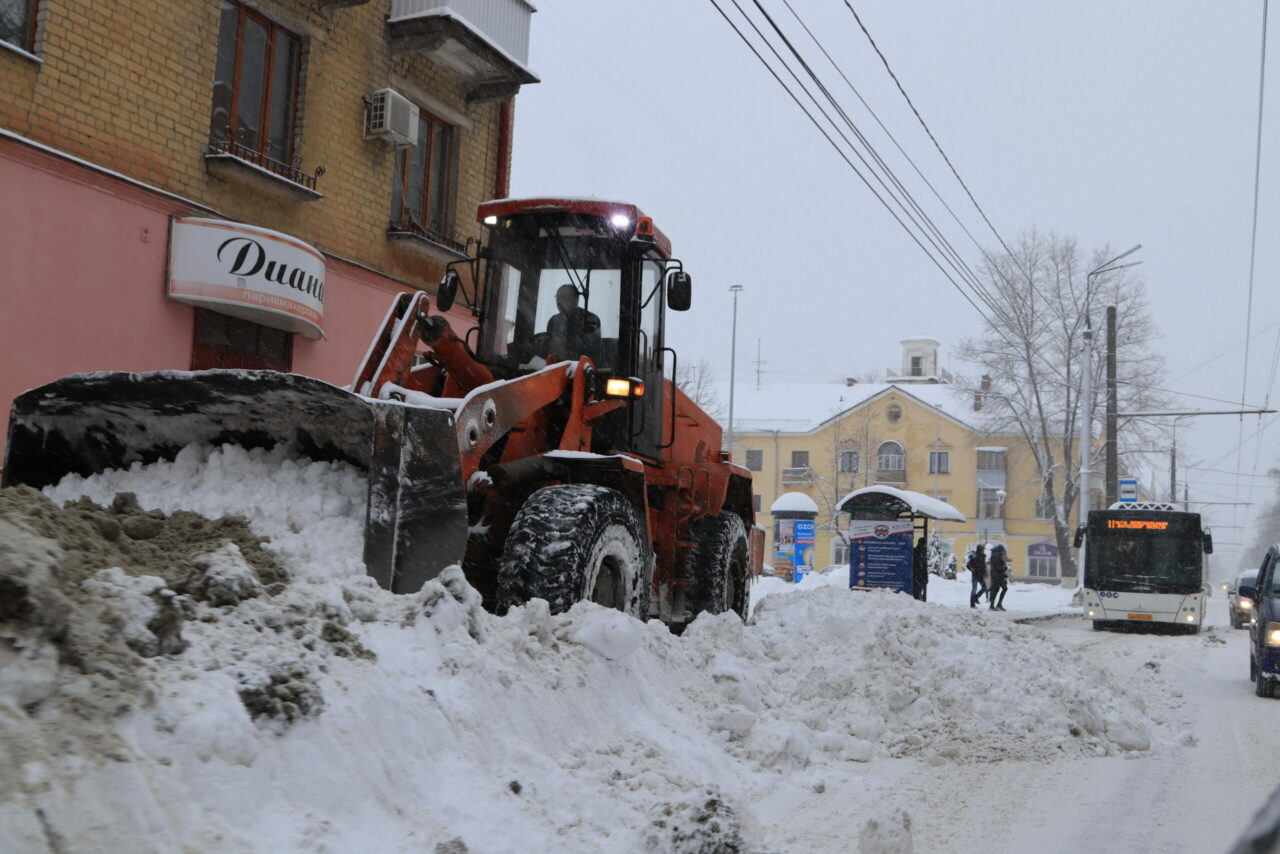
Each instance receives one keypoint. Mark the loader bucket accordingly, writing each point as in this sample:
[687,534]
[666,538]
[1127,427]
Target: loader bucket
[417,519]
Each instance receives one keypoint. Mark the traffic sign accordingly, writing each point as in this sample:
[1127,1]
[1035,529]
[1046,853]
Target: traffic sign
[1129,489]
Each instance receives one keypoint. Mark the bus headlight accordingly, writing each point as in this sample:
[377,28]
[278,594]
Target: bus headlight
[1089,613]
[1273,634]
[1191,618]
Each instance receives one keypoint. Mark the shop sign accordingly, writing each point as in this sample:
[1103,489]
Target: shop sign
[248,272]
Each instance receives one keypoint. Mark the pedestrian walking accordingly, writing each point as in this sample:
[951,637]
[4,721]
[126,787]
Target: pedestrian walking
[977,566]
[999,576]
[920,570]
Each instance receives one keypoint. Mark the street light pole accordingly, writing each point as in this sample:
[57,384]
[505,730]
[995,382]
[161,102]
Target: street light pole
[733,360]
[1086,394]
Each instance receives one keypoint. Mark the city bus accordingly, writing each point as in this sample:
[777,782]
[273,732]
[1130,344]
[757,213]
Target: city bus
[1144,565]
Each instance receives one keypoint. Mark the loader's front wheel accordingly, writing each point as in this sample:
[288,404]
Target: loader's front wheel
[720,565]
[573,542]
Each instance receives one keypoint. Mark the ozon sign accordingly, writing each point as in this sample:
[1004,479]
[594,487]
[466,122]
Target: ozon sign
[248,272]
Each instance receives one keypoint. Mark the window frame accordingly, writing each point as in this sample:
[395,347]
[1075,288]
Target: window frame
[849,454]
[401,219]
[991,500]
[939,462]
[882,456]
[799,460]
[1042,509]
[28,44]
[263,147]
[754,456]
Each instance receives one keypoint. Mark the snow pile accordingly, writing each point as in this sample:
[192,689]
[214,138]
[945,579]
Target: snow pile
[142,704]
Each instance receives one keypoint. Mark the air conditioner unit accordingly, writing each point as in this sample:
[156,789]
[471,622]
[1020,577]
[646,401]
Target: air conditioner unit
[393,117]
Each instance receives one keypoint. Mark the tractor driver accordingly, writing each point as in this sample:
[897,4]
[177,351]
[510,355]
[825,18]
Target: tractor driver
[573,331]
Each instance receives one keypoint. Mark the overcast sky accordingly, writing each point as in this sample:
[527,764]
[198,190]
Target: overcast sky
[1116,122]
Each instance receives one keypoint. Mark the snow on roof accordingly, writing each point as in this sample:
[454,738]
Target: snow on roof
[920,504]
[992,448]
[801,407]
[793,502]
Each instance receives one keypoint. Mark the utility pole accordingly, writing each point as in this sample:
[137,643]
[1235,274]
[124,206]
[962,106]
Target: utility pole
[733,360]
[1173,469]
[1113,452]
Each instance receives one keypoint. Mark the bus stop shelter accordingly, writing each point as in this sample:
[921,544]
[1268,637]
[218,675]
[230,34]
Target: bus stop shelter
[883,522]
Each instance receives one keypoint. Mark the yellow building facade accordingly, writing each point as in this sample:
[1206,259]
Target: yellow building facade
[912,432]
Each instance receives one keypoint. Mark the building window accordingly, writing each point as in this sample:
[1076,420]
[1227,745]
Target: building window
[421,191]
[255,86]
[991,461]
[222,341]
[799,459]
[755,460]
[939,462]
[989,506]
[1042,508]
[917,366]
[891,463]
[849,462]
[1042,567]
[894,413]
[839,551]
[755,502]
[18,23]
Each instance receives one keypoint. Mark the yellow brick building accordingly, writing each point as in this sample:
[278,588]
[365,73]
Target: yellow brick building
[351,141]
[914,431]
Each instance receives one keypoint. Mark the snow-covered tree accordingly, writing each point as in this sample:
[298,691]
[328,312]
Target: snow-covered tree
[1031,352]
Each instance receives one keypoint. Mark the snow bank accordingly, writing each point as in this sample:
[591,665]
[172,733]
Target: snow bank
[328,715]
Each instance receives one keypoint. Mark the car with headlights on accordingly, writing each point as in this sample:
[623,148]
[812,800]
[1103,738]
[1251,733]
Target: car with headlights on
[1264,628]
[1240,608]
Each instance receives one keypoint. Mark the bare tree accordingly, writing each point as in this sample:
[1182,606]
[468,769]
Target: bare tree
[1267,527]
[1031,356]
[698,380]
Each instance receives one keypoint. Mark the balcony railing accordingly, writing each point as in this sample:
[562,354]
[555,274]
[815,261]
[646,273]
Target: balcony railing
[257,158]
[799,474]
[502,23]
[485,42]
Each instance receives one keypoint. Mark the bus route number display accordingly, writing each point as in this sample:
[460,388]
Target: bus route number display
[1138,524]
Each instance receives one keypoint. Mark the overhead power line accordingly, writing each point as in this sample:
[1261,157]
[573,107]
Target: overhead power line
[895,198]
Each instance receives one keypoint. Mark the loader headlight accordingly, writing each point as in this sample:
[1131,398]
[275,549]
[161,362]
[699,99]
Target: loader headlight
[491,220]
[623,388]
[620,220]
[1273,634]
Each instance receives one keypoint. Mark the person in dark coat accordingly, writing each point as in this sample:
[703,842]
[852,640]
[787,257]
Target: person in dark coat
[999,576]
[573,331]
[977,566]
[920,570]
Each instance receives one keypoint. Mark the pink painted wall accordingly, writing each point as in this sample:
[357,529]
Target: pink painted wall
[83,272]
[82,276]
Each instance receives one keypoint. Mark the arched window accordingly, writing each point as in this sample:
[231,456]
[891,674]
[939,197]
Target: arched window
[891,463]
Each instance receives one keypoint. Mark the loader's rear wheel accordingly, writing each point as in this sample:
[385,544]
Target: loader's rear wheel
[720,565]
[577,542]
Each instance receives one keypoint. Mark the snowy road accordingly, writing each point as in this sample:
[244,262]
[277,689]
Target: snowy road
[325,715]
[1194,800]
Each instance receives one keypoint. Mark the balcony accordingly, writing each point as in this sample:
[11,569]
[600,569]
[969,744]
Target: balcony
[484,42]
[229,159]
[799,474]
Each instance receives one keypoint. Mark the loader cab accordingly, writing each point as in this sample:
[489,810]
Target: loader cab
[567,279]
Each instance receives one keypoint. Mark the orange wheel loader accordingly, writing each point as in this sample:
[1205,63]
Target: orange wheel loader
[544,449]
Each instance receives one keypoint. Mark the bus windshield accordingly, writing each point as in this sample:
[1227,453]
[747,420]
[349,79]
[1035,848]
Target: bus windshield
[1144,552]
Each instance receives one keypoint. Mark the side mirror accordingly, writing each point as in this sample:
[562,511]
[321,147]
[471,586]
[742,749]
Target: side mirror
[1247,591]
[1079,536]
[447,291]
[1208,543]
[679,291]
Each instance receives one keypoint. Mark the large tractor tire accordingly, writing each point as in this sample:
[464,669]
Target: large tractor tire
[720,564]
[576,542]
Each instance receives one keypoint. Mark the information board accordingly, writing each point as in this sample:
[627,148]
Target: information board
[880,555]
